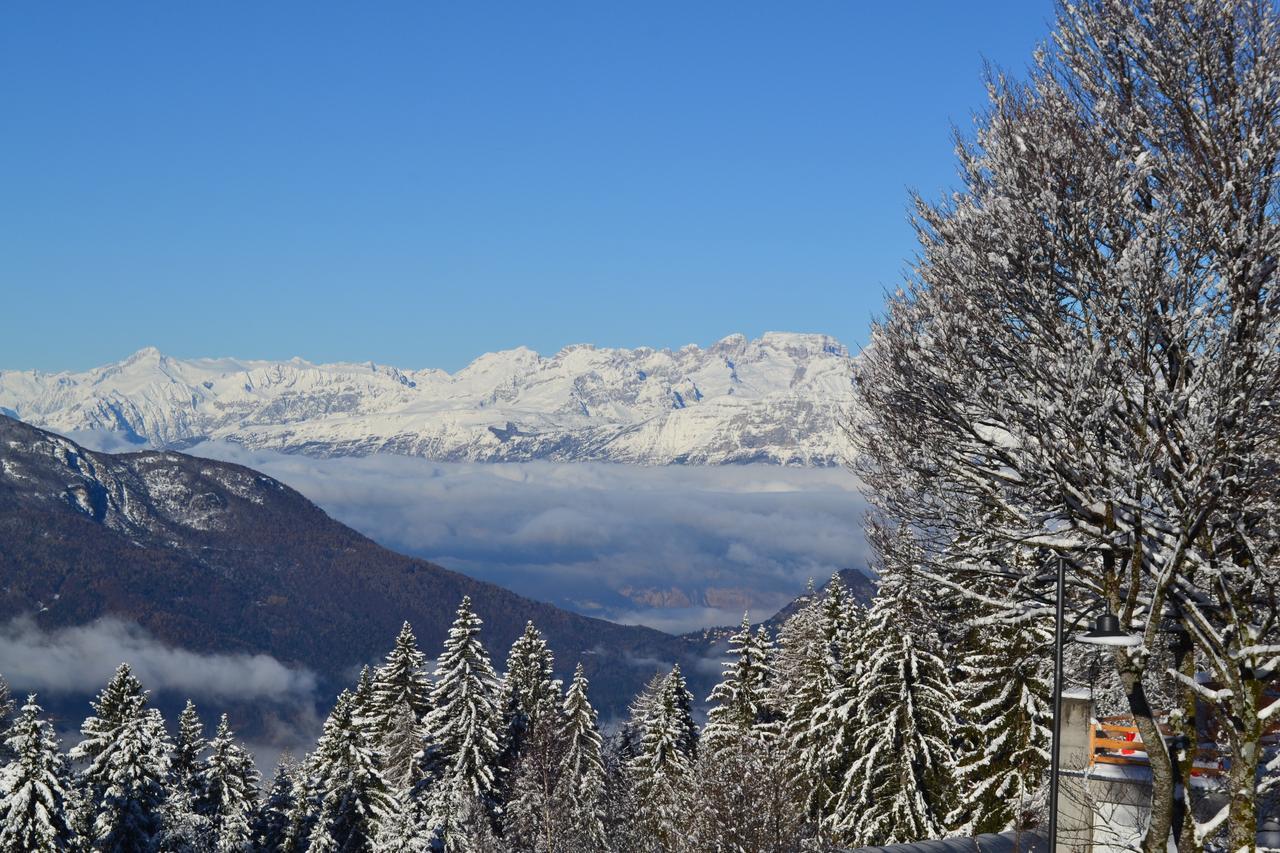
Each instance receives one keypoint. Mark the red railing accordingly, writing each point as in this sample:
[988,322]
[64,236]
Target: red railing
[1115,740]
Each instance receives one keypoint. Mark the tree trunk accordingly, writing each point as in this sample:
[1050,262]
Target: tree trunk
[1184,823]
[1246,744]
[1162,777]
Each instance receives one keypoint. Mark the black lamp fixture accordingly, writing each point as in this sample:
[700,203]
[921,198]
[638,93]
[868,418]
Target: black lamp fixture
[1106,632]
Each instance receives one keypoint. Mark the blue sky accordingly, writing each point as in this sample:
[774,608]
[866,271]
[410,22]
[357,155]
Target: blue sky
[419,182]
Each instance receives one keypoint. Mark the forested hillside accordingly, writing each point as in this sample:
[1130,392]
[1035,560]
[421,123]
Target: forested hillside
[213,557]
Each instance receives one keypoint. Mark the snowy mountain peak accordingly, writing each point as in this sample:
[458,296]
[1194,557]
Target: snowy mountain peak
[146,354]
[777,399]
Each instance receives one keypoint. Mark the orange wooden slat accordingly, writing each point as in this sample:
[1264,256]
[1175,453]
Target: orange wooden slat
[1103,758]
[1113,743]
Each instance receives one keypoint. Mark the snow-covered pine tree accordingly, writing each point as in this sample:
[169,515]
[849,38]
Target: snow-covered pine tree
[363,706]
[1003,697]
[529,690]
[581,786]
[269,823]
[741,704]
[7,709]
[35,791]
[462,725]
[186,767]
[400,747]
[631,733]
[797,635]
[186,828]
[741,796]
[901,784]
[408,829]
[532,746]
[402,698]
[124,783]
[229,785]
[121,699]
[301,819]
[471,829]
[835,723]
[354,797]
[620,752]
[661,773]
[817,666]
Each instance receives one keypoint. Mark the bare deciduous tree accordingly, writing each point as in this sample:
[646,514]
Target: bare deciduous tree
[1087,357]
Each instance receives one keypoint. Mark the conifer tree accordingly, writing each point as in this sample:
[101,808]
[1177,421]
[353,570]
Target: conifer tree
[533,817]
[121,699]
[581,786]
[529,689]
[402,679]
[741,702]
[462,725]
[819,647]
[661,772]
[407,829]
[363,707]
[800,632]
[187,764]
[1003,696]
[229,784]
[471,829]
[354,797]
[187,761]
[531,742]
[7,708]
[35,792]
[400,748]
[835,724]
[401,699]
[125,782]
[187,828]
[301,819]
[621,752]
[632,731]
[270,822]
[741,796]
[901,783]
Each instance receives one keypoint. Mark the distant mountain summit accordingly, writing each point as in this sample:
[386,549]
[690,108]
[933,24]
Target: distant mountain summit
[779,399]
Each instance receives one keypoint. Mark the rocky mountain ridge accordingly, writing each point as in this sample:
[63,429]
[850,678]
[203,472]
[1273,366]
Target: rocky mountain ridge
[779,399]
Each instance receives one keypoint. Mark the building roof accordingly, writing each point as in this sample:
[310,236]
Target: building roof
[1005,842]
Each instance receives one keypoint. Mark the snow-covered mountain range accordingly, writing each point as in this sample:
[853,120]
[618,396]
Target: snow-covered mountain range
[781,399]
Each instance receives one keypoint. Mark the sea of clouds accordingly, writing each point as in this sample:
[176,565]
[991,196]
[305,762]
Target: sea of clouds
[676,547]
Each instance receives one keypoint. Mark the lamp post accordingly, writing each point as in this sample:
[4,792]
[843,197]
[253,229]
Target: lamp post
[1106,632]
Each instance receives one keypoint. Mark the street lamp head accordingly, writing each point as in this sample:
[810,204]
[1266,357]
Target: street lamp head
[1106,632]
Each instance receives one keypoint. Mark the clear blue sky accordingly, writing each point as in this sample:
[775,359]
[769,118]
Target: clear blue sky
[419,182]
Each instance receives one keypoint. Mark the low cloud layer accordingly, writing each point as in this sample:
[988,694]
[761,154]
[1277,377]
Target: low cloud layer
[72,660]
[676,547]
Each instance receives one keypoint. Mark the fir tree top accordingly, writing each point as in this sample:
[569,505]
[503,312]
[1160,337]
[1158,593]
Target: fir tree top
[401,680]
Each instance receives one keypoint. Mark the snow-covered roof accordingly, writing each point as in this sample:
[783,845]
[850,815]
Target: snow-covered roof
[1005,842]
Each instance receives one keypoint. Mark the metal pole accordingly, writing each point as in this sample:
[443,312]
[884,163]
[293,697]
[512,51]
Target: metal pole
[1057,706]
